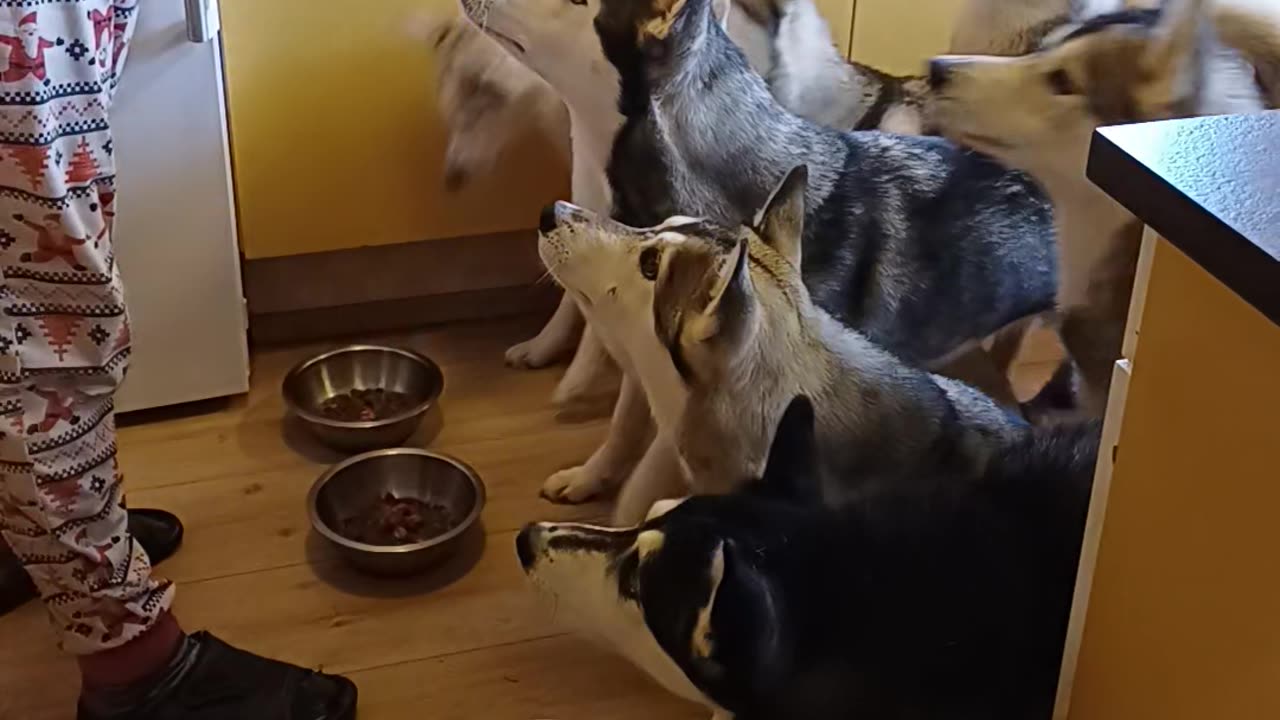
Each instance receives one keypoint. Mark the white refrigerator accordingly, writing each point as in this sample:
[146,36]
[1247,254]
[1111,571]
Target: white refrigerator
[175,224]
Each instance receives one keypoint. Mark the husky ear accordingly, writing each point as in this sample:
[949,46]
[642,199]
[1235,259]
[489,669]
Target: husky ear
[791,472]
[781,220]
[737,636]
[662,16]
[720,11]
[1174,38]
[729,296]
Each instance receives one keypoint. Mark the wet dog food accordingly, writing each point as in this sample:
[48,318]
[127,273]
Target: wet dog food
[362,405]
[390,520]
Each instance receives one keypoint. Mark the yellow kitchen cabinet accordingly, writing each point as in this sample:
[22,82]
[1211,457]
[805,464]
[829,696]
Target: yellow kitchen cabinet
[335,140]
[839,15]
[1176,613]
[898,36]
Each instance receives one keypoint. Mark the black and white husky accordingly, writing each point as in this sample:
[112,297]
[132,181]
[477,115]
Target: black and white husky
[947,603]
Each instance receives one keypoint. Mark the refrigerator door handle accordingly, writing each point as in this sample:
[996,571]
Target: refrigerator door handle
[202,20]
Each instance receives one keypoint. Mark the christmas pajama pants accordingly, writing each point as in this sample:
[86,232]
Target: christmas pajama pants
[64,334]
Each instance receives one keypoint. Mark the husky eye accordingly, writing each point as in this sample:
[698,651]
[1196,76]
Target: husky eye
[649,259]
[1060,82]
[629,575]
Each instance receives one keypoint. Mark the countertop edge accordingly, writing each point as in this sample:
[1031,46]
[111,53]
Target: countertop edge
[1247,269]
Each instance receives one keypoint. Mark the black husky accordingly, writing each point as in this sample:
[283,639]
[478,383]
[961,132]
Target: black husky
[949,602]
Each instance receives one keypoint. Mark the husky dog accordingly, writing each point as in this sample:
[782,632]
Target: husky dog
[948,600]
[785,40]
[488,97]
[1038,112]
[925,248]
[725,308]
[1019,27]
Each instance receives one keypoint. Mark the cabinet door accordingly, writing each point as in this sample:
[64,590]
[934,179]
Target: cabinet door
[335,140]
[899,36]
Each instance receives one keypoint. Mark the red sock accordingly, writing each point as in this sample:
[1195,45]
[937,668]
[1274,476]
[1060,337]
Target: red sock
[140,658]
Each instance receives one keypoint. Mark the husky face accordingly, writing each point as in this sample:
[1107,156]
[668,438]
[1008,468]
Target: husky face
[765,604]
[608,584]
[1037,112]
[680,595]
[561,40]
[684,292]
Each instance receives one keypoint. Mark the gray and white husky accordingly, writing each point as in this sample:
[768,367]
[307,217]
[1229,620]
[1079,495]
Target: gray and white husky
[787,41]
[1038,113]
[925,248]
[722,333]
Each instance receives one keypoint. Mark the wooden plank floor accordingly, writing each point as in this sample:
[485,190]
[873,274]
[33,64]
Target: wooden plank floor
[466,642]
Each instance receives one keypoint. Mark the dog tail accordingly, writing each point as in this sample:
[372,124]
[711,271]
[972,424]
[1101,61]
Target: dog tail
[1252,28]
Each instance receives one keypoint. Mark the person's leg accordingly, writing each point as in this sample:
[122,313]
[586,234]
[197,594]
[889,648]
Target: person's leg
[64,344]
[64,335]
[157,531]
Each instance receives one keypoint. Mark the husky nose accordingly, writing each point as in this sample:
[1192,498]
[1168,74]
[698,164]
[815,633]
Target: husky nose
[547,220]
[940,72]
[524,546]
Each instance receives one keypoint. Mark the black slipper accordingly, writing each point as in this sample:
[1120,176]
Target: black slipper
[225,683]
[159,532]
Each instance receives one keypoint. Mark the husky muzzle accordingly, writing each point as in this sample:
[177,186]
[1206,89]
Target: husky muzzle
[541,540]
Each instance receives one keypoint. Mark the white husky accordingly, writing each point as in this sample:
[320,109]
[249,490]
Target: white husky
[1038,113]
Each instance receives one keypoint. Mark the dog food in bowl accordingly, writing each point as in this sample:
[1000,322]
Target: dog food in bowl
[363,405]
[390,520]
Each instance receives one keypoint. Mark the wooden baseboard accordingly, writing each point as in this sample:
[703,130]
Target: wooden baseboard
[391,272]
[325,323]
[394,287]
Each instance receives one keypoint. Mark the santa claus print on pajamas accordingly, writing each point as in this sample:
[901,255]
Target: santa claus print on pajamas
[64,334]
[26,51]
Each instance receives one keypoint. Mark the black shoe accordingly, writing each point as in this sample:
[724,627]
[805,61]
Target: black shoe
[159,533]
[225,683]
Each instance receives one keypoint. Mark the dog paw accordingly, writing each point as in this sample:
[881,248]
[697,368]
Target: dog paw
[573,485]
[530,354]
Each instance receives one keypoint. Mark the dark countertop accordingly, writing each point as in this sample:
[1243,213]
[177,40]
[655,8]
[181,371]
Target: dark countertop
[1211,186]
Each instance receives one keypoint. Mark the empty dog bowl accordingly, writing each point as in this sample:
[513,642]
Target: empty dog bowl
[362,367]
[344,492]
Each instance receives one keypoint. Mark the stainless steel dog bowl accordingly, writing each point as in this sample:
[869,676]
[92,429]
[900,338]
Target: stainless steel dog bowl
[353,484]
[362,367]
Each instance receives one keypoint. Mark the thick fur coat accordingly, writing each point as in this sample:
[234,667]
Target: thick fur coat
[947,600]
[727,310]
